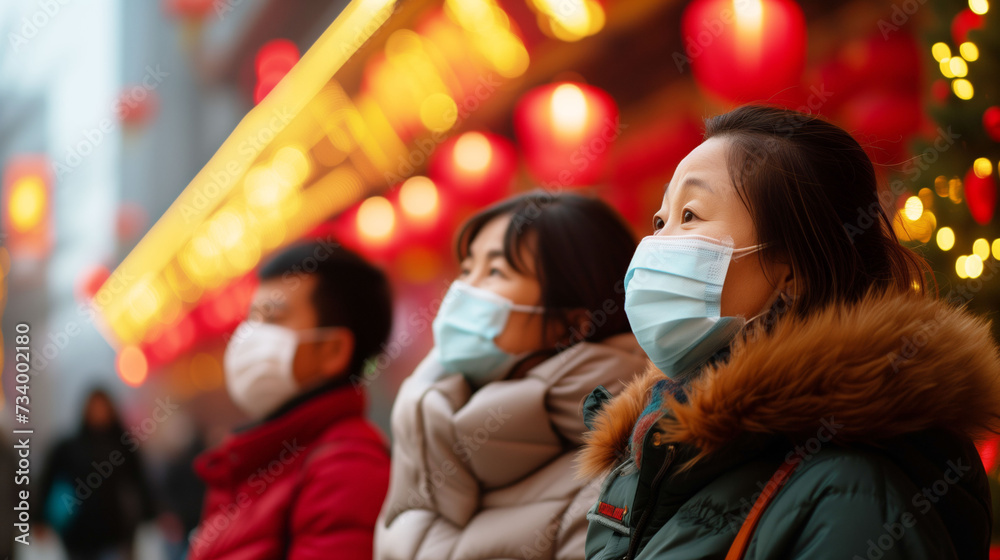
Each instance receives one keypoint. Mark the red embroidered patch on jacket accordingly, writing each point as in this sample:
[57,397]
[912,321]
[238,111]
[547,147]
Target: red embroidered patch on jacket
[608,510]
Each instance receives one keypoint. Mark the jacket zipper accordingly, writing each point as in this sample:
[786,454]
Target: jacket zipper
[633,545]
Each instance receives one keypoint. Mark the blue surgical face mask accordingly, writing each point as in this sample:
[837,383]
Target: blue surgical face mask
[673,294]
[464,329]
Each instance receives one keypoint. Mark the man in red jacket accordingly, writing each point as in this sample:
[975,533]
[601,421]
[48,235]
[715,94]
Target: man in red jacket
[307,478]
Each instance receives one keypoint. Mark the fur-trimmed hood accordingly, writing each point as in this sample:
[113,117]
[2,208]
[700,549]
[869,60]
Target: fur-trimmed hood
[889,365]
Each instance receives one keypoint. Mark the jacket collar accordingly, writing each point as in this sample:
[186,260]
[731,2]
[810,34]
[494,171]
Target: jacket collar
[890,365]
[286,433]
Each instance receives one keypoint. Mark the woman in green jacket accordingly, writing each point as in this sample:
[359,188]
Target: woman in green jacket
[809,398]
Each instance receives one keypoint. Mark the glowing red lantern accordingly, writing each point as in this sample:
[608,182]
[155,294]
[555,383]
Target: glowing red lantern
[274,59]
[188,9]
[743,50]
[988,452]
[91,280]
[981,196]
[474,166]
[965,21]
[991,122]
[566,131]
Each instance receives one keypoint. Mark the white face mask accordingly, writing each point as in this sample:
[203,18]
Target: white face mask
[258,365]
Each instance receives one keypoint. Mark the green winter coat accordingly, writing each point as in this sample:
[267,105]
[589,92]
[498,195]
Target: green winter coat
[875,404]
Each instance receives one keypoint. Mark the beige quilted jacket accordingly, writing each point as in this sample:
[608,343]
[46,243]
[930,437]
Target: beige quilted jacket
[489,474]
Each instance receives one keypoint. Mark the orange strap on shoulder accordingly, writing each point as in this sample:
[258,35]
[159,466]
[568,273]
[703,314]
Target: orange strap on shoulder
[778,479]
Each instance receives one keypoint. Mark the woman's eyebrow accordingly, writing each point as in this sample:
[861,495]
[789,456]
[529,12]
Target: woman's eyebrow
[693,182]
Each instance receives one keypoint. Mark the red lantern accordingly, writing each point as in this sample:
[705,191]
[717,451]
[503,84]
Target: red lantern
[91,281]
[885,122]
[965,21]
[743,51]
[274,59]
[130,221]
[981,196]
[991,122]
[475,166]
[988,452]
[566,131]
[137,105]
[188,9]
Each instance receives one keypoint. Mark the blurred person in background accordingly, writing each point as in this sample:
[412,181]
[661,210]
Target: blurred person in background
[800,359]
[486,428]
[306,478]
[94,490]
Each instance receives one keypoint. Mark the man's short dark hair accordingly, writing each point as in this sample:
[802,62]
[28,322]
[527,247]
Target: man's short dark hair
[350,292]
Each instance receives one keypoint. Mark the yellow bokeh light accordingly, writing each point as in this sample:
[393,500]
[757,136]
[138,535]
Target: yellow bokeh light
[926,196]
[969,51]
[945,66]
[960,266]
[963,89]
[973,266]
[941,52]
[569,109]
[418,197]
[438,112]
[996,249]
[291,165]
[941,186]
[979,6]
[473,152]
[376,218]
[572,20]
[226,229]
[981,248]
[946,238]
[27,203]
[914,208]
[982,167]
[958,67]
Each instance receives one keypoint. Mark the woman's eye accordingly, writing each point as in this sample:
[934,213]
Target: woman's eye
[496,272]
[687,216]
[463,272]
[657,223]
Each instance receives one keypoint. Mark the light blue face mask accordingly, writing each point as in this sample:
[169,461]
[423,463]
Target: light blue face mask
[673,294]
[464,329]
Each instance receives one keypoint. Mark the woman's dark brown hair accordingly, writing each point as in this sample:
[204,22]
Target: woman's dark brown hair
[812,194]
[580,249]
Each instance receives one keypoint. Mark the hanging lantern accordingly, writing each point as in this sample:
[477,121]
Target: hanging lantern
[743,51]
[90,281]
[566,131]
[476,166]
[965,21]
[991,122]
[981,195]
[188,9]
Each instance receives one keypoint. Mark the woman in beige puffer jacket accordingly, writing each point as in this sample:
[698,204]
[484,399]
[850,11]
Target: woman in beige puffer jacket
[485,431]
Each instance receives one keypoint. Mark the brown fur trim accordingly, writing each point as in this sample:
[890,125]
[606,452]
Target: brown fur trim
[889,365]
[607,443]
